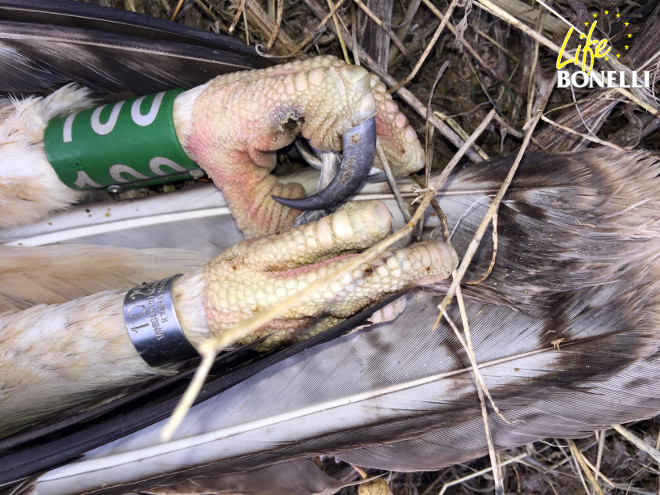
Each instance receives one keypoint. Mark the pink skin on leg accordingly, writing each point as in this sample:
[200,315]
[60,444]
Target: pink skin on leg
[240,120]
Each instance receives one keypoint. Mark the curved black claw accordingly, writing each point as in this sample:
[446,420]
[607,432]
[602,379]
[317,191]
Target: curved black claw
[357,158]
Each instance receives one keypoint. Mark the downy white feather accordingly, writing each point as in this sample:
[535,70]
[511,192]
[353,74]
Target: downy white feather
[29,191]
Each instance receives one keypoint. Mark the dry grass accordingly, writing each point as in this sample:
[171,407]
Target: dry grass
[501,56]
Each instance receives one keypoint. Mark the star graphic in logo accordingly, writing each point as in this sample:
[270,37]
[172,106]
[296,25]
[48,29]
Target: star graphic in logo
[611,22]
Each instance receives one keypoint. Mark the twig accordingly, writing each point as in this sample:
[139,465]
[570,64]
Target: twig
[261,22]
[638,442]
[508,128]
[593,139]
[532,72]
[481,230]
[340,37]
[575,465]
[188,397]
[436,207]
[479,473]
[384,27]
[459,154]
[579,113]
[278,23]
[481,390]
[411,10]
[429,135]
[493,9]
[459,130]
[428,48]
[501,47]
[363,474]
[246,27]
[237,17]
[481,84]
[176,10]
[211,346]
[492,258]
[207,10]
[581,461]
[473,53]
[469,349]
[321,25]
[392,181]
[596,471]
[444,129]
[558,15]
[354,30]
[438,477]
[428,129]
[600,435]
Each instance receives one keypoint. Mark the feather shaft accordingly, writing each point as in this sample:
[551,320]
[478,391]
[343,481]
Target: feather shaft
[399,396]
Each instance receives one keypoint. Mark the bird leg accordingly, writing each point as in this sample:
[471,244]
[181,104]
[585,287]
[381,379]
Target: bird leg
[256,274]
[54,356]
[233,125]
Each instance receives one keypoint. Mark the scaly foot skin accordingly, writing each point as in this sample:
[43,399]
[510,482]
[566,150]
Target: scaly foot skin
[239,121]
[258,273]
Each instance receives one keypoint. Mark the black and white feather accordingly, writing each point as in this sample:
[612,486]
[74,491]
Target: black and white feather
[47,44]
[565,328]
[577,263]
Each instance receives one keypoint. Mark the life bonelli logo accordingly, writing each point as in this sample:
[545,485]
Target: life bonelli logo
[595,47]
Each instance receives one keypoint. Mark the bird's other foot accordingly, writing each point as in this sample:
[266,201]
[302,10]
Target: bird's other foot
[259,273]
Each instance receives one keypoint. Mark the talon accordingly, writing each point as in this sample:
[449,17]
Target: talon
[307,153]
[357,158]
[316,159]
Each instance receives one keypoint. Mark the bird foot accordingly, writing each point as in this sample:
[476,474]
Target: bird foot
[238,121]
[259,273]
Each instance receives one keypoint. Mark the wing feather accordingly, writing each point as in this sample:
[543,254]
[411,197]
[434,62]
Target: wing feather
[565,330]
[108,50]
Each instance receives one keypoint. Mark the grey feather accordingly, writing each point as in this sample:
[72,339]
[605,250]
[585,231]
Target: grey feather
[108,50]
[413,407]
[568,220]
[578,262]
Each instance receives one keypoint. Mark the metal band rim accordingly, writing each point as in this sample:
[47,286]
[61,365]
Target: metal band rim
[153,326]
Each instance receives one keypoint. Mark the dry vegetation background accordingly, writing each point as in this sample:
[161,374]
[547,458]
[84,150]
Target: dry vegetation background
[451,63]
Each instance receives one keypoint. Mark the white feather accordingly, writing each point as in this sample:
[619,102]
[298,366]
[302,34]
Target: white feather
[421,383]
[400,396]
[29,187]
